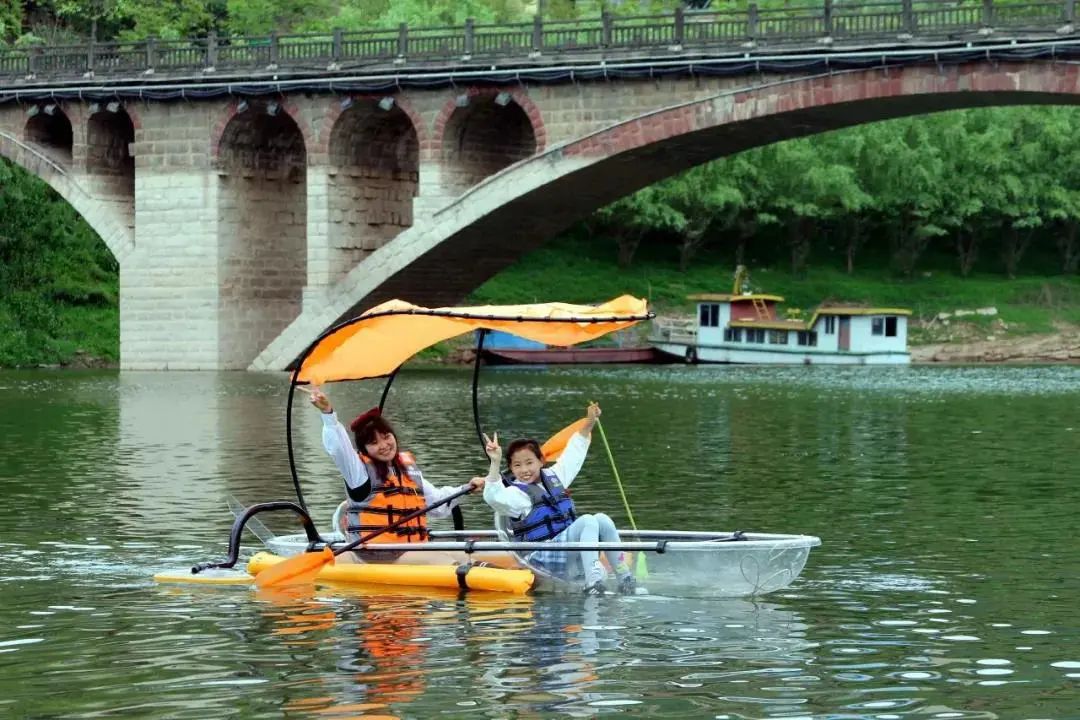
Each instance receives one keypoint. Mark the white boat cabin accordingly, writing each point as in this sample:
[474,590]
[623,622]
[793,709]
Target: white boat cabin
[745,328]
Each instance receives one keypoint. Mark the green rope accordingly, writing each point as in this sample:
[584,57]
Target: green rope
[641,569]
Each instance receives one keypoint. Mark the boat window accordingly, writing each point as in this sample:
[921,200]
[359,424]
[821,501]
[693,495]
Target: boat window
[808,338]
[709,315]
[890,326]
[778,337]
[732,334]
[755,335]
[830,324]
[877,326]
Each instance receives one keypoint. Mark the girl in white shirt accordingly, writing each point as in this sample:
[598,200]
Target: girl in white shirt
[540,510]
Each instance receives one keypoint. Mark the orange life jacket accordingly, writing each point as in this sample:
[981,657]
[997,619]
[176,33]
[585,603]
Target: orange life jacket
[398,494]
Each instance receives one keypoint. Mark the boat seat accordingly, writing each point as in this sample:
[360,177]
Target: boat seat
[335,522]
[502,527]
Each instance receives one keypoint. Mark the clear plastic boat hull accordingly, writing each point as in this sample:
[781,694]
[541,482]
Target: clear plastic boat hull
[679,564]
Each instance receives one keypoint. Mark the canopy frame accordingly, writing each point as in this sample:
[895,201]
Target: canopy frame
[433,312]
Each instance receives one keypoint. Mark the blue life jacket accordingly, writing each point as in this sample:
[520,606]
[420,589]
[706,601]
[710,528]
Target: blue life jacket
[552,509]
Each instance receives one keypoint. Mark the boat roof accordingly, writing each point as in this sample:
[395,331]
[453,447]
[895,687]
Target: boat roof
[377,342]
[728,297]
[851,310]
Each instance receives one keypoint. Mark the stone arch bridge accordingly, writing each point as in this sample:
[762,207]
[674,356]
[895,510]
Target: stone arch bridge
[249,216]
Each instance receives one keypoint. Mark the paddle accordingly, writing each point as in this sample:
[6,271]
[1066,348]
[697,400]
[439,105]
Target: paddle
[304,567]
[641,569]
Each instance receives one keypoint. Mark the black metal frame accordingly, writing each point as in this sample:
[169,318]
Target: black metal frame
[299,363]
[314,539]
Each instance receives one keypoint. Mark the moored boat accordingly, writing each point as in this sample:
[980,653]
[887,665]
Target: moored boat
[745,327]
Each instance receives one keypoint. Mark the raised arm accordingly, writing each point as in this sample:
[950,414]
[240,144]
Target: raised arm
[567,467]
[339,446]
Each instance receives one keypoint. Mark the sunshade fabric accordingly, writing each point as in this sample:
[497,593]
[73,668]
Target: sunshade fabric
[556,444]
[386,336]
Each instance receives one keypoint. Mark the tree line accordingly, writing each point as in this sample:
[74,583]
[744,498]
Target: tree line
[73,21]
[985,182]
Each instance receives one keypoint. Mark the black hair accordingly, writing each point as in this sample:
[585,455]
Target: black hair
[366,432]
[524,444]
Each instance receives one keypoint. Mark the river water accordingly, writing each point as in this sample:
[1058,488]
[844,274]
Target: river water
[947,501]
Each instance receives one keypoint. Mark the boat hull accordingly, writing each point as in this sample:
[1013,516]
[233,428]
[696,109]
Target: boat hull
[765,356]
[514,581]
[572,356]
[679,563]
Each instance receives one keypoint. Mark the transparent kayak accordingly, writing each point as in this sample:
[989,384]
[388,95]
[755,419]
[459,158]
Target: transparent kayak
[679,564]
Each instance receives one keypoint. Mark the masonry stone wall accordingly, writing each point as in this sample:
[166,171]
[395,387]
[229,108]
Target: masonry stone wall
[169,282]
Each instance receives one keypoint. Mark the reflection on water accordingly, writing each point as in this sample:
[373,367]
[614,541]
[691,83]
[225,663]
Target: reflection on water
[946,585]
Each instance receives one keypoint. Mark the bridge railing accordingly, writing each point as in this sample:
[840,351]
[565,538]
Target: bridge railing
[828,21]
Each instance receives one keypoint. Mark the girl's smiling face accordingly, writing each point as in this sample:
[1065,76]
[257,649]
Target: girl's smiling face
[525,465]
[383,447]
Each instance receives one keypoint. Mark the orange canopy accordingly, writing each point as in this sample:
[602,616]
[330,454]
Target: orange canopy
[387,335]
[553,448]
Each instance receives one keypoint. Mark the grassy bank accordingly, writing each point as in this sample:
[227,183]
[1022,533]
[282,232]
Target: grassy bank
[59,284]
[65,335]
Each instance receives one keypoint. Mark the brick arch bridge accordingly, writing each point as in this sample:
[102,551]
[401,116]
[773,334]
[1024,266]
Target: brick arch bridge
[107,220]
[514,211]
[248,218]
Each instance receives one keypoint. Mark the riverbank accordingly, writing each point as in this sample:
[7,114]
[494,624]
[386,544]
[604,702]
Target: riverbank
[1034,318]
[1061,346]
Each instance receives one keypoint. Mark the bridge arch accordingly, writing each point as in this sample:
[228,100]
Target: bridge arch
[543,195]
[373,162]
[110,131]
[261,163]
[28,155]
[483,130]
[50,129]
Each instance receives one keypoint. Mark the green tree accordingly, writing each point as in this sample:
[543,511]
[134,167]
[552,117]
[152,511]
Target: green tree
[970,166]
[11,20]
[258,17]
[420,13]
[810,189]
[700,199]
[630,219]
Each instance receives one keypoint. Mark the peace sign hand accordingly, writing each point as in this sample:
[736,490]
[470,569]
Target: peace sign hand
[491,446]
[318,398]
